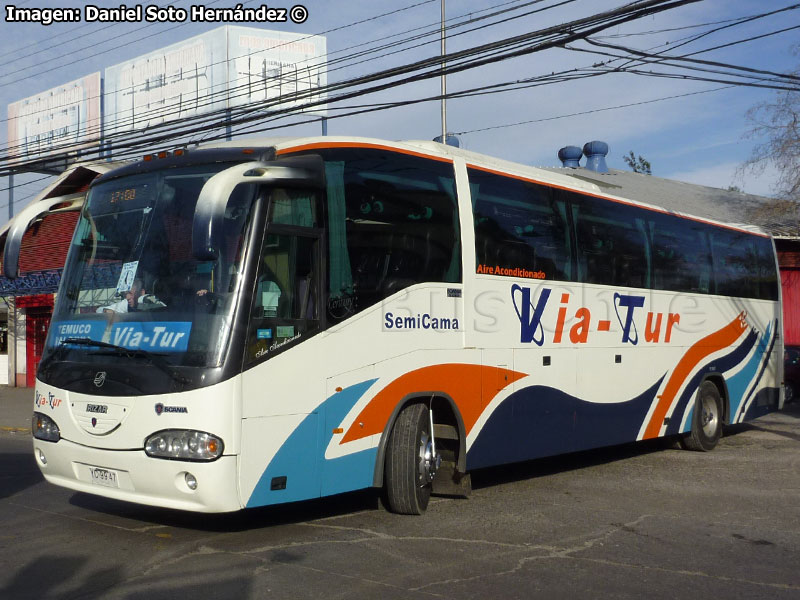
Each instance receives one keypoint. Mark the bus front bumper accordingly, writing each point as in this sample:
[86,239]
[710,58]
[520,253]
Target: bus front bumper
[132,476]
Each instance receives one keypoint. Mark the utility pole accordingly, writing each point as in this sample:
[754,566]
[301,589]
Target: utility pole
[444,82]
[10,196]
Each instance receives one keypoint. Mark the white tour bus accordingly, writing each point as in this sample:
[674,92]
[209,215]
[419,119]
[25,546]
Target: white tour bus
[245,325]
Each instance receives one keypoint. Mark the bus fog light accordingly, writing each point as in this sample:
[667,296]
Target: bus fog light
[191,481]
[184,444]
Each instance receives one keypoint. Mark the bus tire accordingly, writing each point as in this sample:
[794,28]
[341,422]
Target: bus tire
[408,462]
[706,420]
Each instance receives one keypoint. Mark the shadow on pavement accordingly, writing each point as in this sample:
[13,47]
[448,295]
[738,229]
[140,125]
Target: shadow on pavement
[18,471]
[70,576]
[542,467]
[251,518]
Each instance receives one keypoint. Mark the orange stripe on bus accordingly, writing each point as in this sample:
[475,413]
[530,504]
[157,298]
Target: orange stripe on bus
[708,345]
[472,388]
[323,145]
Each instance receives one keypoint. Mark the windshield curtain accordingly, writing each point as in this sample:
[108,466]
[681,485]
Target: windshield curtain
[131,279]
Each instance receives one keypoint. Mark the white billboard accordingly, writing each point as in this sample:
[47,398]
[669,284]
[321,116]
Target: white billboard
[225,68]
[268,65]
[181,80]
[64,118]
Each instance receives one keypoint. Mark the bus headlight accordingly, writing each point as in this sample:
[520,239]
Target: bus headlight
[44,428]
[183,444]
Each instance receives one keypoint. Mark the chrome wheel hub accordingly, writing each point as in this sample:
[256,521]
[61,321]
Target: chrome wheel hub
[428,461]
[709,418]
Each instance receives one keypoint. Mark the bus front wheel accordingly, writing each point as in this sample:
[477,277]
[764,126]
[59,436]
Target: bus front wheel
[706,420]
[410,462]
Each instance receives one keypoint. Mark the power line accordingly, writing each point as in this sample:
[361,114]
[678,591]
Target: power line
[156,113]
[26,183]
[210,98]
[740,22]
[136,41]
[28,76]
[542,46]
[497,51]
[727,25]
[224,93]
[462,60]
[71,31]
[665,59]
[594,110]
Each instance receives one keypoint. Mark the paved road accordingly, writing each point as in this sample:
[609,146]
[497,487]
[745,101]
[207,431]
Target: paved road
[16,407]
[629,522]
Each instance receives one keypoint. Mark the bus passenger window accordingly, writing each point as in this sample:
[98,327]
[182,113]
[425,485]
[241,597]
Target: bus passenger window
[392,223]
[736,270]
[767,270]
[681,255]
[519,226]
[612,245]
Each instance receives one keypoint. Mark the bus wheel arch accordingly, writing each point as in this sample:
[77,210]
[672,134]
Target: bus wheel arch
[709,414]
[450,433]
[722,387]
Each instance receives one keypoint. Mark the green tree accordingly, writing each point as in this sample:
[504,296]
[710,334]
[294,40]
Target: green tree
[637,164]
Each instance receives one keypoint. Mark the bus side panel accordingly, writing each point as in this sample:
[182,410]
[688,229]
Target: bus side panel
[639,357]
[315,413]
[354,470]
[292,473]
[546,421]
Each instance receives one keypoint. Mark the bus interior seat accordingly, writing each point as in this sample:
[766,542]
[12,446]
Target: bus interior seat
[406,264]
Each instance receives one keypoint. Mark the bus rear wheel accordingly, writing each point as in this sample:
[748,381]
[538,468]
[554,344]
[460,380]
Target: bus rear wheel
[410,462]
[706,420]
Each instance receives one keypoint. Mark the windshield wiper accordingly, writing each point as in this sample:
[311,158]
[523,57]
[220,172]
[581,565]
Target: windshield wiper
[154,358]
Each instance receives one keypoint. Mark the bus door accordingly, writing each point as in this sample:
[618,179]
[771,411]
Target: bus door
[282,395]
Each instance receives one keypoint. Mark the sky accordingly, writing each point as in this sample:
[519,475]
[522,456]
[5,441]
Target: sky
[688,130]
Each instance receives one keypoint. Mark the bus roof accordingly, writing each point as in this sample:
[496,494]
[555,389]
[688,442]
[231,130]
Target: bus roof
[713,205]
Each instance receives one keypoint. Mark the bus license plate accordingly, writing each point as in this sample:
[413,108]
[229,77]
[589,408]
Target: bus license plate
[104,477]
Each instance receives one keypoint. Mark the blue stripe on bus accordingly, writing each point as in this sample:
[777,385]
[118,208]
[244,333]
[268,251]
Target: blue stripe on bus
[300,458]
[354,471]
[765,402]
[544,421]
[768,398]
[738,384]
[717,366]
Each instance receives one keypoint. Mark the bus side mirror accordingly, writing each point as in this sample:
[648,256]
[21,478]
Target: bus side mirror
[209,216]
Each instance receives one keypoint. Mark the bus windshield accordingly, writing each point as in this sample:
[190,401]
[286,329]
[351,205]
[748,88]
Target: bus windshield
[131,281]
